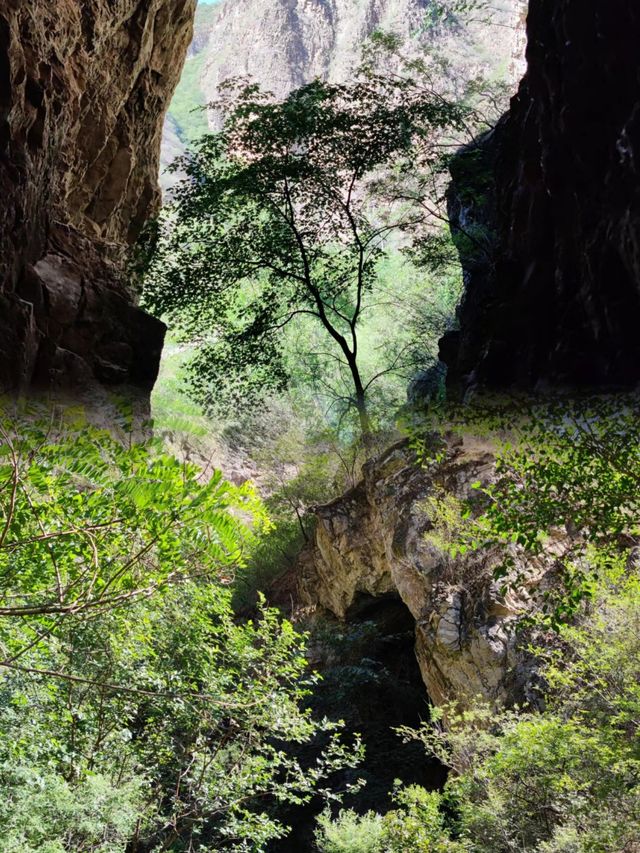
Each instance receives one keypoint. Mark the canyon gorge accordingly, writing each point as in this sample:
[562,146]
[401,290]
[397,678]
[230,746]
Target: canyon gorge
[98,98]
[84,99]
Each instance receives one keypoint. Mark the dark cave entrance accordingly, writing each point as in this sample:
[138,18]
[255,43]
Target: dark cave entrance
[371,680]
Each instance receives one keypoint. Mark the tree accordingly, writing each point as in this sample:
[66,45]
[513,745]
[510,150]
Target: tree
[275,222]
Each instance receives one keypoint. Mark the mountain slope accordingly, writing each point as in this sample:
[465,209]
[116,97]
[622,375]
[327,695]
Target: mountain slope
[283,44]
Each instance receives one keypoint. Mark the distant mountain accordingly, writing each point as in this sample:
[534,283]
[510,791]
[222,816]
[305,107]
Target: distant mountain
[283,44]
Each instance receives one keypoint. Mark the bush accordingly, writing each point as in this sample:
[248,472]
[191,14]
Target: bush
[136,710]
[45,813]
[350,833]
[418,824]
[567,778]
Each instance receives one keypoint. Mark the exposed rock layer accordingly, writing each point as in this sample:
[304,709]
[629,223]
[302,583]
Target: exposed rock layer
[83,91]
[558,302]
[372,542]
[283,44]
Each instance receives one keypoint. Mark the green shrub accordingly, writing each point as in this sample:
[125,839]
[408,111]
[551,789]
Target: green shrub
[567,778]
[350,833]
[133,702]
[418,824]
[45,813]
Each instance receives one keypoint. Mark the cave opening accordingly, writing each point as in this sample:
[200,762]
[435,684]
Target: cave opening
[370,679]
[377,682]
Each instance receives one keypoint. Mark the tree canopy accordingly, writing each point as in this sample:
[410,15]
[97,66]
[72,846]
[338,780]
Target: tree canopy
[276,221]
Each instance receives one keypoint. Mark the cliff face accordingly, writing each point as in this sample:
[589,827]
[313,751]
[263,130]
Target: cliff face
[375,542]
[283,44]
[286,44]
[550,201]
[83,91]
[558,301]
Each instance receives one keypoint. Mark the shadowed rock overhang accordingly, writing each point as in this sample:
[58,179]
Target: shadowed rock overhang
[556,188]
[83,92]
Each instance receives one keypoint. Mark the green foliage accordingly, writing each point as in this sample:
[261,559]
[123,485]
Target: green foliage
[186,108]
[274,223]
[295,462]
[188,101]
[136,711]
[349,833]
[572,770]
[298,467]
[176,416]
[448,516]
[45,813]
[567,466]
[87,524]
[575,463]
[418,824]
[563,779]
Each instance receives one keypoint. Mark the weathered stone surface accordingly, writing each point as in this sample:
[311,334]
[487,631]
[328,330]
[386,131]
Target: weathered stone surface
[558,301]
[283,44]
[372,542]
[286,44]
[83,91]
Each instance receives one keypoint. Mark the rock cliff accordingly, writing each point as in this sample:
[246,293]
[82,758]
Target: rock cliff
[283,44]
[557,302]
[286,44]
[375,542]
[83,92]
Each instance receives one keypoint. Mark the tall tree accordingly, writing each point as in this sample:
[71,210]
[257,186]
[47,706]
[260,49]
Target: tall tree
[276,221]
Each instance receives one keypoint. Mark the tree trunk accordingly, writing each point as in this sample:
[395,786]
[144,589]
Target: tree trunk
[363,415]
[360,401]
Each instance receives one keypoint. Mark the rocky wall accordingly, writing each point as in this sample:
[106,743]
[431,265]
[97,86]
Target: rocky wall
[381,540]
[557,302]
[83,92]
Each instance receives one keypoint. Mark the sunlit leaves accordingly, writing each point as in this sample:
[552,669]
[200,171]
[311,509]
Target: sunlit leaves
[275,225]
[137,711]
[568,467]
[566,777]
[87,524]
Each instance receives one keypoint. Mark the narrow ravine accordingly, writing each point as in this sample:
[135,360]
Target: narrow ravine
[319,466]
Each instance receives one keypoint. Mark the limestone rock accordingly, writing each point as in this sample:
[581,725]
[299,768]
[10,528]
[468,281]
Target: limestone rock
[283,44]
[83,92]
[286,44]
[557,301]
[372,542]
